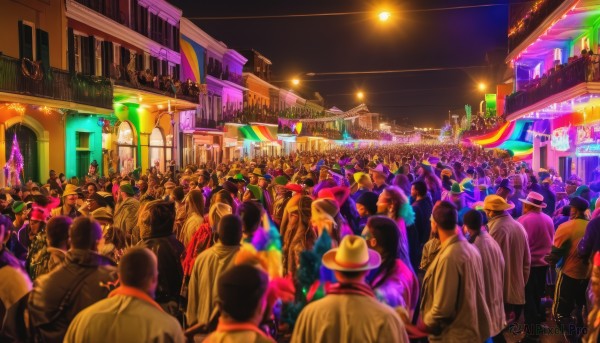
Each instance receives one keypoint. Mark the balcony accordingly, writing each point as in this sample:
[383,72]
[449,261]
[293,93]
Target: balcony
[206,123]
[529,21]
[581,70]
[26,78]
[233,78]
[109,9]
[158,84]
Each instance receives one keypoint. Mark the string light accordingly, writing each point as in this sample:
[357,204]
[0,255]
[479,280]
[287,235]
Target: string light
[17,108]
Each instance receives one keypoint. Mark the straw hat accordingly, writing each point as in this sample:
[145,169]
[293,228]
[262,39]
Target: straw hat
[534,199]
[257,172]
[352,255]
[70,190]
[496,203]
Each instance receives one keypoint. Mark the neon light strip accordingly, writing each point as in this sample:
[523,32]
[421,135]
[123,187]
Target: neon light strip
[495,138]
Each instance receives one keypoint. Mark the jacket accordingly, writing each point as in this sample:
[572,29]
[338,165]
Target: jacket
[348,318]
[540,233]
[82,276]
[457,312]
[168,251]
[493,279]
[124,319]
[125,218]
[202,289]
[512,239]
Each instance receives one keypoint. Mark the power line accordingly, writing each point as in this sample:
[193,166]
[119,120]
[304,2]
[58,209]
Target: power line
[337,14]
[390,71]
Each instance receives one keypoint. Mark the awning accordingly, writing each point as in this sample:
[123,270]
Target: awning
[257,133]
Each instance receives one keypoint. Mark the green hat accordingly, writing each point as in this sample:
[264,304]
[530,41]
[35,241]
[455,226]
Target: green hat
[281,180]
[239,178]
[127,189]
[256,191]
[18,207]
[456,188]
[581,189]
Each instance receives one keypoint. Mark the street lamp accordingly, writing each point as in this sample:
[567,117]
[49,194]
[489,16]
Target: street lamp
[482,87]
[295,82]
[384,16]
[360,95]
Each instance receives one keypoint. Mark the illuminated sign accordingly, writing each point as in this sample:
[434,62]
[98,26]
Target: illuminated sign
[588,134]
[588,150]
[560,139]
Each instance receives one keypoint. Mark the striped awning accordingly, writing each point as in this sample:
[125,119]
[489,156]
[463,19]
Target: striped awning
[257,133]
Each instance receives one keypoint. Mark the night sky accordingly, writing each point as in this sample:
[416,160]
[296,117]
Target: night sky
[412,39]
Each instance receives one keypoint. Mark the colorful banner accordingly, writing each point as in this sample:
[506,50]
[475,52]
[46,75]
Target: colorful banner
[192,60]
[257,133]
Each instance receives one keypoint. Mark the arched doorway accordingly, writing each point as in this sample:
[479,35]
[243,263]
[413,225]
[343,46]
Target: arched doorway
[126,148]
[27,140]
[157,149]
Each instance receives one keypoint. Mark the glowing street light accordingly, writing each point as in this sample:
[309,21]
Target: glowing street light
[360,95]
[295,82]
[384,16]
[482,86]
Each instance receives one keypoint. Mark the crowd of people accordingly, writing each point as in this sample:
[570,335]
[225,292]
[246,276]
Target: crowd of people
[395,244]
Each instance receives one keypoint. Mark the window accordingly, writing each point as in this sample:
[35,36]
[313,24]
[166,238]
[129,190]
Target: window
[77,53]
[26,40]
[82,140]
[537,71]
[98,55]
[585,44]
[126,148]
[117,53]
[157,149]
[557,56]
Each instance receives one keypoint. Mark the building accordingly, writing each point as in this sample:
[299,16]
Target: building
[136,44]
[219,70]
[42,100]
[557,83]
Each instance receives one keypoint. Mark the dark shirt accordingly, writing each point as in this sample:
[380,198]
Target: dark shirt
[423,209]
[549,199]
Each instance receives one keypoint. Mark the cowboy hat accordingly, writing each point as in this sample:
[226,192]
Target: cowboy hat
[70,190]
[534,199]
[257,172]
[496,203]
[352,255]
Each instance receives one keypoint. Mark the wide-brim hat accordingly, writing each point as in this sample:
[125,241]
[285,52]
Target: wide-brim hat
[257,172]
[70,190]
[102,213]
[534,199]
[352,255]
[496,203]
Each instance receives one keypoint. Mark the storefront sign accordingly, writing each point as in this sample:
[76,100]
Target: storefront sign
[588,150]
[588,134]
[560,139]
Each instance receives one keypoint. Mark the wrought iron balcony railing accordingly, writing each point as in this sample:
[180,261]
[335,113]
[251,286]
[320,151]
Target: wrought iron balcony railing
[583,69]
[31,78]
